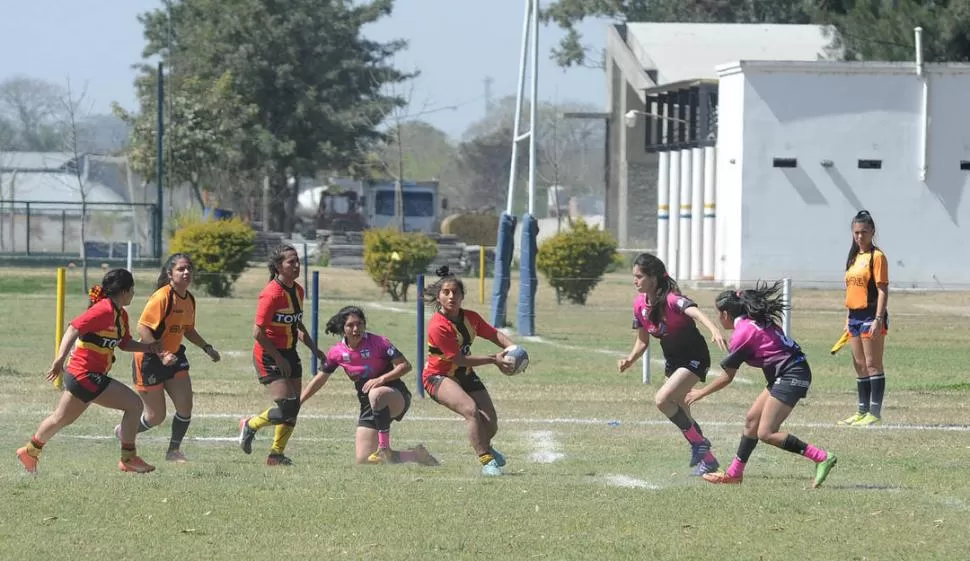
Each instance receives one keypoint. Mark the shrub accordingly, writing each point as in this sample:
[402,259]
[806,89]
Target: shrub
[220,250]
[394,260]
[575,260]
[473,229]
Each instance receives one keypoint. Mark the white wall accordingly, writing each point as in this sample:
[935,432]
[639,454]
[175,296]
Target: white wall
[795,222]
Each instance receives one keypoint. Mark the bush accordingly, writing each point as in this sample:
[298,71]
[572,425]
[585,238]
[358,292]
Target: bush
[575,260]
[473,229]
[220,250]
[394,260]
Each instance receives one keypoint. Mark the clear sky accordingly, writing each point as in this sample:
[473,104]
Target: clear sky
[455,44]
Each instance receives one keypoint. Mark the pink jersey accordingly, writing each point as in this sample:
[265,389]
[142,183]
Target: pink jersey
[677,331]
[371,359]
[765,347]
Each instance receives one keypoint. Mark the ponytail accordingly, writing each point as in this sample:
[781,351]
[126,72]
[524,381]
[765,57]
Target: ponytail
[95,295]
[763,304]
[115,282]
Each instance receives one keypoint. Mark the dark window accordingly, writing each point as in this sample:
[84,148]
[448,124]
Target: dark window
[870,164]
[785,163]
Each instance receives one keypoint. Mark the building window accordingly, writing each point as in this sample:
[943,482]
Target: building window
[965,165]
[870,164]
[785,163]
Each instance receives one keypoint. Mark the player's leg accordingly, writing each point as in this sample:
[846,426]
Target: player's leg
[487,411]
[119,396]
[749,440]
[450,394]
[179,388]
[873,347]
[290,409]
[670,401]
[68,409]
[863,384]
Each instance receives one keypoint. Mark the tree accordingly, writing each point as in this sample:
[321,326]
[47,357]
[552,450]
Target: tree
[71,111]
[29,110]
[485,161]
[314,84]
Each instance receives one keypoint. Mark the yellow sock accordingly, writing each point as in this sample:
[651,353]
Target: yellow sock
[260,421]
[33,450]
[485,458]
[127,453]
[280,438]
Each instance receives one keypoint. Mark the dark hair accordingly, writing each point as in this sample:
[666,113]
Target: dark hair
[166,274]
[335,325]
[444,277]
[276,259]
[763,304]
[652,266]
[115,282]
[861,217]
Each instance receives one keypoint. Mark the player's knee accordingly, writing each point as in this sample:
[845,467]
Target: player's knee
[469,411]
[289,409]
[154,418]
[873,367]
[751,424]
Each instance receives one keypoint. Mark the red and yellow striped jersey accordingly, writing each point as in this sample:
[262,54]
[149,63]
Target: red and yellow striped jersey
[278,312]
[101,329]
[448,339]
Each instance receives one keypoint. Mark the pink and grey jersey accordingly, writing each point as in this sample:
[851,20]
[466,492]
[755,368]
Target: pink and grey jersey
[677,332]
[766,347]
[371,359]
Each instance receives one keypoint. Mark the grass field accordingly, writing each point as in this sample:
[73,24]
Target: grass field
[594,470]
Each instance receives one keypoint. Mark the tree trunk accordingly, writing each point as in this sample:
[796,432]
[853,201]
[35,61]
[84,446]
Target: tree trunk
[84,249]
[277,207]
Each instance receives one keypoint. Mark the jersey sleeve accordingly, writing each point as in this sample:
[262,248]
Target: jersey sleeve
[740,348]
[96,318]
[880,268]
[680,303]
[482,328]
[638,312]
[154,313]
[389,350]
[265,308]
[442,337]
[330,365]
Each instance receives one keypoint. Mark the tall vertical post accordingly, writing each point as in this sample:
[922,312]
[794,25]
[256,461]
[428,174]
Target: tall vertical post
[420,330]
[160,160]
[481,274]
[59,317]
[786,297]
[528,279]
[315,325]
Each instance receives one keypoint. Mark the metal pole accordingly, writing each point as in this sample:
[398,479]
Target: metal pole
[160,157]
[481,274]
[314,327]
[786,317]
[646,366]
[420,330]
[128,261]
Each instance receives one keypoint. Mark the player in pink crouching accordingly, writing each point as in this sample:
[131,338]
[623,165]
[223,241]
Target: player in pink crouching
[375,366]
[759,341]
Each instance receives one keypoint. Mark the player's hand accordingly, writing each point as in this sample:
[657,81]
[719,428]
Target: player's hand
[623,364]
[213,354]
[692,397]
[56,368]
[503,365]
[371,384]
[874,326]
[155,347]
[718,338]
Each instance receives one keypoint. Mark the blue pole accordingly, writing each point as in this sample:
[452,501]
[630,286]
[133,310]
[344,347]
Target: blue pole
[315,307]
[420,330]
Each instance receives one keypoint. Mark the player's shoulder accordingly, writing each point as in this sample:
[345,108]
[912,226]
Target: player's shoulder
[472,316]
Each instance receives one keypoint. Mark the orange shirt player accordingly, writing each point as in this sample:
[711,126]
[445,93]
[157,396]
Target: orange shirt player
[98,332]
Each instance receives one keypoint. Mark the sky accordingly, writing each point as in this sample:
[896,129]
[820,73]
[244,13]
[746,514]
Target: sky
[455,44]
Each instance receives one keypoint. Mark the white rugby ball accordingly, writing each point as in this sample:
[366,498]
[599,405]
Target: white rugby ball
[518,358]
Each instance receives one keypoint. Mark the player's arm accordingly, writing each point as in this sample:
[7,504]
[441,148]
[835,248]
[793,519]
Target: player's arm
[880,271]
[264,314]
[196,339]
[697,315]
[67,343]
[400,365]
[319,380]
[304,336]
[441,337]
[717,385]
[640,346]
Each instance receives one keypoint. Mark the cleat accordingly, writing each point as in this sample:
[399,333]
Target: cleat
[118,432]
[698,451]
[424,457]
[382,456]
[246,435]
[176,456]
[499,457]
[851,420]
[867,420]
[135,465]
[705,467]
[278,460]
[822,470]
[722,478]
[491,469]
[29,462]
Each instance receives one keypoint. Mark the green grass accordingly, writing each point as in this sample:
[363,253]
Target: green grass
[897,493]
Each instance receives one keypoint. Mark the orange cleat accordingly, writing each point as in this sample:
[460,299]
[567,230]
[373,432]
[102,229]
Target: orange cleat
[29,462]
[135,465]
[723,478]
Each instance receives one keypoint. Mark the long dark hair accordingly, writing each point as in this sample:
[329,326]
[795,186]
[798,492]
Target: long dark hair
[861,217]
[276,259]
[115,282]
[764,303]
[652,266]
[165,276]
[444,276]
[335,325]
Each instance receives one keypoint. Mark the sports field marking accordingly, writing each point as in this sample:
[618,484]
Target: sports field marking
[628,482]
[544,447]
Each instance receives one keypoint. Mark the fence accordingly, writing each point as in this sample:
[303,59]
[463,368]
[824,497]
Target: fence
[37,228]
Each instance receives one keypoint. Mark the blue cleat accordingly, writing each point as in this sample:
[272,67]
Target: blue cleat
[705,467]
[698,451]
[491,469]
[499,457]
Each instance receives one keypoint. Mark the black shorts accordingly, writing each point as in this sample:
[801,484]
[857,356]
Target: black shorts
[267,371]
[469,381]
[366,418]
[792,384]
[699,365]
[147,370]
[86,387]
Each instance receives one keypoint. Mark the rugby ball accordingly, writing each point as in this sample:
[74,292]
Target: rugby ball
[518,358]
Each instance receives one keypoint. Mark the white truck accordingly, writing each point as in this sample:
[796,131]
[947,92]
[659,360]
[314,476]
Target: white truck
[354,205]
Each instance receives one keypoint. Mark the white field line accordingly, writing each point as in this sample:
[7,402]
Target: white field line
[628,482]
[544,447]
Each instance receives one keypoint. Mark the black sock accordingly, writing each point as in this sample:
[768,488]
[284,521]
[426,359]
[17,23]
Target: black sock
[382,420]
[143,424]
[865,394]
[681,419]
[793,445]
[878,383]
[746,447]
[179,426]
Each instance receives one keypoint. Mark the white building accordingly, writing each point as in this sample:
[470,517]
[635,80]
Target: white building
[802,146]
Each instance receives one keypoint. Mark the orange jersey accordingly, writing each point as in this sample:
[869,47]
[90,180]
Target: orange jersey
[279,311]
[169,316]
[869,269]
[447,340]
[101,328]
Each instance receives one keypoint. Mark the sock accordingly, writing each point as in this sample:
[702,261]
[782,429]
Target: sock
[817,455]
[681,419]
[878,383]
[261,420]
[127,451]
[143,424]
[865,394]
[406,456]
[745,448]
[281,437]
[34,447]
[485,458]
[736,469]
[709,459]
[793,445]
[384,439]
[179,427]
